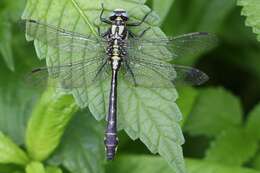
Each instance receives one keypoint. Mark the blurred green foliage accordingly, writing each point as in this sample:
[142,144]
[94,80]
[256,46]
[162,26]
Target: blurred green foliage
[220,119]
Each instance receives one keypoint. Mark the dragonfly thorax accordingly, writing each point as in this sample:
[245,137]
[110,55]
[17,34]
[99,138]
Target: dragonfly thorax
[117,31]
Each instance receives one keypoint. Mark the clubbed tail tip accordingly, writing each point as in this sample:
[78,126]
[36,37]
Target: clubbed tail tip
[110,156]
[111,153]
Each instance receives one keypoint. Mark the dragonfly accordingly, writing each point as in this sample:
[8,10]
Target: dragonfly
[120,52]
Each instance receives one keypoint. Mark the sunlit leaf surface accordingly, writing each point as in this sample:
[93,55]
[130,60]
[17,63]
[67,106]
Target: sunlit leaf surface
[251,10]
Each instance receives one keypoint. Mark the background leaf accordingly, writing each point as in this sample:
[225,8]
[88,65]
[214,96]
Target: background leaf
[47,124]
[16,97]
[214,111]
[5,42]
[256,162]
[162,8]
[200,15]
[232,147]
[251,11]
[9,13]
[52,169]
[82,147]
[35,167]
[187,99]
[140,164]
[10,152]
[253,122]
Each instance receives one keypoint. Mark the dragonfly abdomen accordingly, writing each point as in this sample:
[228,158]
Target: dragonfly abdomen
[111,140]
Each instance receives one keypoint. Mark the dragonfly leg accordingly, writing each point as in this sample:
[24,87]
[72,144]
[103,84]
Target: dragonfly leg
[143,32]
[133,35]
[102,19]
[131,72]
[100,69]
[141,22]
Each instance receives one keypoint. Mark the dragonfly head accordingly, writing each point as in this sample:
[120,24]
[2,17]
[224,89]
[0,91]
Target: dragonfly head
[119,14]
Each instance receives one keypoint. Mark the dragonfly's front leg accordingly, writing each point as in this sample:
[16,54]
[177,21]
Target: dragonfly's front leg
[102,19]
[140,35]
[141,22]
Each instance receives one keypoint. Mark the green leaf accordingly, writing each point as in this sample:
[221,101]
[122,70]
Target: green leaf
[6,168]
[152,116]
[251,10]
[35,167]
[147,164]
[256,162]
[16,98]
[186,101]
[82,147]
[15,106]
[47,124]
[253,122]
[10,152]
[154,107]
[162,8]
[227,34]
[215,111]
[233,147]
[10,13]
[201,15]
[5,41]
[53,169]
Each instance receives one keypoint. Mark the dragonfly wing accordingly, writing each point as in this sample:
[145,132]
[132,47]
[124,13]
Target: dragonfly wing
[61,38]
[174,47]
[156,73]
[81,73]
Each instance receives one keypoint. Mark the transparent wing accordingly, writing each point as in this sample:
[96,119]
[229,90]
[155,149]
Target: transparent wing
[81,73]
[156,73]
[173,47]
[77,60]
[60,38]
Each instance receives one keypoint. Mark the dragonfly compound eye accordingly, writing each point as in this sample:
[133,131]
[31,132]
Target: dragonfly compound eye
[119,13]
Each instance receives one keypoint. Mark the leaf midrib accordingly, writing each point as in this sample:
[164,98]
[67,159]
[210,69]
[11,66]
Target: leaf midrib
[85,18]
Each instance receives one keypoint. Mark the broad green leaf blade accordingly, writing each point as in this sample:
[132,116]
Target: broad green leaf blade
[145,164]
[10,168]
[80,16]
[17,98]
[10,152]
[251,10]
[47,124]
[215,111]
[186,101]
[253,122]
[233,147]
[152,116]
[35,167]
[189,16]
[201,15]
[10,12]
[256,161]
[82,147]
[15,106]
[53,169]
[5,42]
[162,8]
